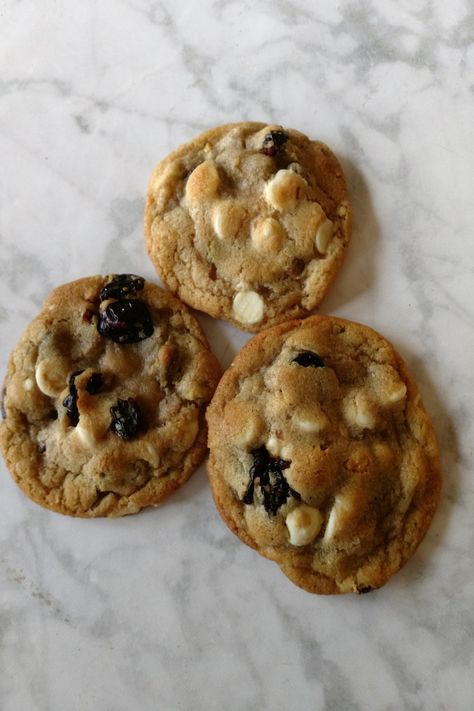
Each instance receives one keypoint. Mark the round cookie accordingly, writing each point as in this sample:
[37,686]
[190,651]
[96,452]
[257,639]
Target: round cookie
[104,398]
[249,222]
[322,456]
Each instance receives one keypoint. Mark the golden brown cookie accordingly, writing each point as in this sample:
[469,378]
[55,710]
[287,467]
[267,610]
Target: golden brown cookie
[249,222]
[104,398]
[322,456]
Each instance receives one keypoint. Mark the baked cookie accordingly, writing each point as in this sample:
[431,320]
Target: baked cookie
[322,457]
[105,396]
[249,222]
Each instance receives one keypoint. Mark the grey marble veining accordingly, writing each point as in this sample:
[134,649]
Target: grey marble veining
[167,610]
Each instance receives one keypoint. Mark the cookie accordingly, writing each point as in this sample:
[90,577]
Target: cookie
[104,398]
[322,456]
[249,222]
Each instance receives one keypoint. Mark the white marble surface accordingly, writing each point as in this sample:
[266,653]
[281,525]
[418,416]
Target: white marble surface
[167,610]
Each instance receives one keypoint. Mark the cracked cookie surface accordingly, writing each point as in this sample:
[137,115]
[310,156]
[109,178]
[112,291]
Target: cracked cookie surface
[249,222]
[104,398]
[322,456]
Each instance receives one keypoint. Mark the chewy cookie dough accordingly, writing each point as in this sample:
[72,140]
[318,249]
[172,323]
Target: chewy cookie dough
[249,222]
[322,457]
[103,404]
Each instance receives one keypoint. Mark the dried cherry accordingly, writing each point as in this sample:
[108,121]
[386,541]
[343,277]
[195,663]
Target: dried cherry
[273,485]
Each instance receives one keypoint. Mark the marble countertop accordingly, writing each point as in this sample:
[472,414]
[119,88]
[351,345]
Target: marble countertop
[166,609]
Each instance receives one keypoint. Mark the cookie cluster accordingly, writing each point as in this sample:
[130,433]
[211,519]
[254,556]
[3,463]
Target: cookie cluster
[322,457]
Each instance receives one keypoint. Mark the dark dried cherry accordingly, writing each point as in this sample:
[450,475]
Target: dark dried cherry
[70,401]
[122,285]
[94,384]
[362,589]
[273,485]
[309,359]
[126,418]
[273,142]
[125,321]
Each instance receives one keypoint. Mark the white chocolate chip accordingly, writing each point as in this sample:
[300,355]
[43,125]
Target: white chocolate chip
[308,425]
[278,449]
[331,525]
[342,210]
[48,379]
[323,235]
[387,385]
[398,393]
[334,519]
[227,216]
[310,421]
[304,524]
[286,451]
[203,182]
[339,517]
[248,307]
[359,411]
[192,391]
[364,418]
[152,455]
[268,235]
[28,384]
[285,189]
[273,445]
[84,435]
[250,432]
[218,221]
